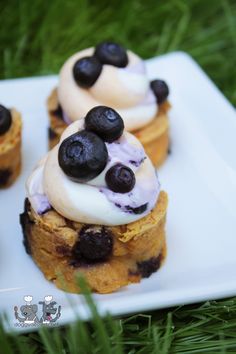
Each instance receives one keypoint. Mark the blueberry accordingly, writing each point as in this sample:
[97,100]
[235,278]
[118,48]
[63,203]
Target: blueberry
[58,112]
[138,210]
[82,156]
[160,89]
[5,119]
[120,178]
[86,71]
[111,53]
[95,243]
[5,175]
[52,134]
[26,225]
[146,268]
[105,122]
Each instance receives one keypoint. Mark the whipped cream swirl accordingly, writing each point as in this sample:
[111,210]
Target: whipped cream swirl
[127,90]
[92,202]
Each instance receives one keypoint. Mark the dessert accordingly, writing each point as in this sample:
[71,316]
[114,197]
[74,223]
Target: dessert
[10,146]
[94,206]
[108,75]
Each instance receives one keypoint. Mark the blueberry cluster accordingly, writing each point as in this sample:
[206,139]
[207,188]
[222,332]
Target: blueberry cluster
[5,120]
[83,155]
[87,70]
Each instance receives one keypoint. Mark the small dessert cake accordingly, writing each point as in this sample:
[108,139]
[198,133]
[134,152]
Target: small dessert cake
[111,76]
[94,206]
[10,146]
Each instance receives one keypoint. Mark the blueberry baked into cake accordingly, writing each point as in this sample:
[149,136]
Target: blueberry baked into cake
[94,206]
[112,76]
[10,146]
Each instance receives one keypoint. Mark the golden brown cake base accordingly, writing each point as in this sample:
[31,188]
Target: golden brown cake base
[154,136]
[139,248]
[10,152]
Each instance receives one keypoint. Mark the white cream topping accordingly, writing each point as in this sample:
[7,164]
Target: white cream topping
[124,89]
[93,202]
[35,189]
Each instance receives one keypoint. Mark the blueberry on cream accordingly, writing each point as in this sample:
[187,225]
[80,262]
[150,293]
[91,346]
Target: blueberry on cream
[86,71]
[160,90]
[120,178]
[5,120]
[82,156]
[87,179]
[105,122]
[112,54]
[138,210]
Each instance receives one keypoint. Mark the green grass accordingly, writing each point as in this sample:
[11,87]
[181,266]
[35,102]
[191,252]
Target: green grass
[35,39]
[37,36]
[205,328]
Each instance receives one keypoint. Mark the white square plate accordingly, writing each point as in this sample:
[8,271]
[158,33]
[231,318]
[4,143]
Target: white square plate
[199,175]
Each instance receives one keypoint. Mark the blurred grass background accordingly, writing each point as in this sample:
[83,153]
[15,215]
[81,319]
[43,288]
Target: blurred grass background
[35,39]
[37,36]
